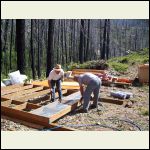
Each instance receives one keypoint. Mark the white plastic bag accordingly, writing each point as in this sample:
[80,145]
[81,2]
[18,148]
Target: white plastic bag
[23,77]
[7,82]
[2,84]
[15,77]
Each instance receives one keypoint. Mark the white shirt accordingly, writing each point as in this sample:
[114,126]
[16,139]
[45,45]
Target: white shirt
[54,76]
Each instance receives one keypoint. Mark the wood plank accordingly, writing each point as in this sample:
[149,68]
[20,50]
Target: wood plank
[28,124]
[17,89]
[14,113]
[11,87]
[65,85]
[22,93]
[56,110]
[32,95]
[31,120]
[8,102]
[113,101]
[89,70]
[39,127]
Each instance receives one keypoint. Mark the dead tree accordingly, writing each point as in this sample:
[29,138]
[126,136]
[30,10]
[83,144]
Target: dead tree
[20,44]
[50,51]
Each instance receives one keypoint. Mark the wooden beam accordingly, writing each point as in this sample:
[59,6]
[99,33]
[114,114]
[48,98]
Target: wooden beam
[17,89]
[28,124]
[88,70]
[56,110]
[22,115]
[32,95]
[9,102]
[11,87]
[22,93]
[113,101]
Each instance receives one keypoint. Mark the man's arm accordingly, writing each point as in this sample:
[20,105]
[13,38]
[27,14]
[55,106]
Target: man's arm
[81,90]
[49,83]
[62,78]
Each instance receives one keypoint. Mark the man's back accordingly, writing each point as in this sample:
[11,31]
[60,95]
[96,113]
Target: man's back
[86,78]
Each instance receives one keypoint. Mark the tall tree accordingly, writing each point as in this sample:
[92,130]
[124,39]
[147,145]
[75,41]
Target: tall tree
[5,45]
[108,39]
[39,51]
[103,52]
[32,51]
[50,53]
[88,41]
[20,44]
[11,44]
[81,48]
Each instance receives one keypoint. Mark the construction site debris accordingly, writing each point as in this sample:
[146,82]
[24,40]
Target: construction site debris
[121,94]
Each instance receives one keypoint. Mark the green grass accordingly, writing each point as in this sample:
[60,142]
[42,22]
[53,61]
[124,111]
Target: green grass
[134,58]
[120,67]
[144,111]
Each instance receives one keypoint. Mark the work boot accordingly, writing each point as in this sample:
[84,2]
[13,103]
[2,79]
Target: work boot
[93,106]
[60,100]
[52,100]
[83,111]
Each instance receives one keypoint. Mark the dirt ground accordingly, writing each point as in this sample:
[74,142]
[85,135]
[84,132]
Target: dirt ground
[113,116]
[110,116]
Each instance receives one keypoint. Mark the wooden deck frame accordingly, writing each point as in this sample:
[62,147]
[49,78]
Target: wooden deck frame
[19,112]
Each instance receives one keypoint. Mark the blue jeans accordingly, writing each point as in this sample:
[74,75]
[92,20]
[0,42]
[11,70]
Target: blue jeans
[93,86]
[58,87]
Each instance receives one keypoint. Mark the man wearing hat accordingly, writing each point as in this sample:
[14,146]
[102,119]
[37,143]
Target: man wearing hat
[55,78]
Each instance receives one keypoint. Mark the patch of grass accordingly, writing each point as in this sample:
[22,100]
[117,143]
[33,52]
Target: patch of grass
[119,66]
[145,88]
[94,64]
[134,58]
[144,111]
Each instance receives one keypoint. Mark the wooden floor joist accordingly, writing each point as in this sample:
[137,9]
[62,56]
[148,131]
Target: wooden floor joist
[43,115]
[16,89]
[88,70]
[112,100]
[22,93]
[32,95]
[65,84]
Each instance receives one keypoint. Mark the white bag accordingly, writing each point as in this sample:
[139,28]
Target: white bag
[2,84]
[15,77]
[7,82]
[23,77]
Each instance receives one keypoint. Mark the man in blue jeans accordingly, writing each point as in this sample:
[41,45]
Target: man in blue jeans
[55,78]
[93,84]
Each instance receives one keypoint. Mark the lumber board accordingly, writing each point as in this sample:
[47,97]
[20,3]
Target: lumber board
[17,89]
[32,95]
[65,85]
[110,100]
[56,110]
[22,115]
[28,124]
[11,87]
[78,73]
[23,92]
[26,105]
[88,70]
[37,126]
[9,102]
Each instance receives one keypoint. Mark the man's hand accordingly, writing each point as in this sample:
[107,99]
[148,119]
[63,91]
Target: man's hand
[50,90]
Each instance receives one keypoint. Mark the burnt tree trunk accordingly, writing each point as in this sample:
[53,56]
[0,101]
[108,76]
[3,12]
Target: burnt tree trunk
[20,44]
[81,48]
[32,52]
[50,53]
